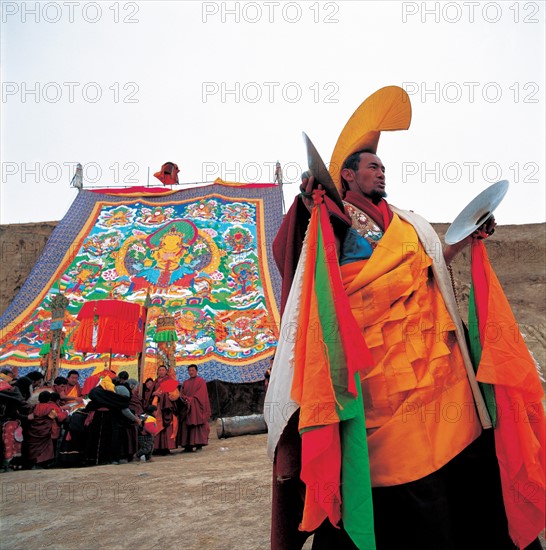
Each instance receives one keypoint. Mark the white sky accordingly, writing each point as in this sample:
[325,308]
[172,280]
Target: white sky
[163,69]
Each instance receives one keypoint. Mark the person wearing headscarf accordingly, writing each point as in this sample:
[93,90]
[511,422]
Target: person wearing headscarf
[93,380]
[105,415]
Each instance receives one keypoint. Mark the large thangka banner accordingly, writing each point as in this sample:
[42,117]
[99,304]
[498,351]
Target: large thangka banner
[202,256]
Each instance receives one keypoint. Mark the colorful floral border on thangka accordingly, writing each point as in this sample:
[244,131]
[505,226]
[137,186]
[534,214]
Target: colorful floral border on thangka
[203,254]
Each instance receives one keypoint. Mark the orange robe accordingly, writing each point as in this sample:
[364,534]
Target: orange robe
[74,390]
[419,406]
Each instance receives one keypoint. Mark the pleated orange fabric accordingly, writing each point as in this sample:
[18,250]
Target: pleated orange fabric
[417,396]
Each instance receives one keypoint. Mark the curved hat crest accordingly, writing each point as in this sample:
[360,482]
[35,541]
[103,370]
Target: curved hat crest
[387,109]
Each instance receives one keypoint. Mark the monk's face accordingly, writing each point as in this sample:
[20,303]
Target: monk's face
[192,371]
[161,372]
[369,179]
[73,379]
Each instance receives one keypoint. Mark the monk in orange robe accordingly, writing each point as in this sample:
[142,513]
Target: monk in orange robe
[434,475]
[73,390]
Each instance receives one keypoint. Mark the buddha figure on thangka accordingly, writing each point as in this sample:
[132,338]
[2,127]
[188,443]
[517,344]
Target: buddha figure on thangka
[178,254]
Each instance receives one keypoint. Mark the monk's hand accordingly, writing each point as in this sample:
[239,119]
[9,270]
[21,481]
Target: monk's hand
[483,232]
[486,229]
[306,190]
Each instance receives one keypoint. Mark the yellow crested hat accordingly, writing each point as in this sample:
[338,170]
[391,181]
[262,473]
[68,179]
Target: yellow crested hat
[387,109]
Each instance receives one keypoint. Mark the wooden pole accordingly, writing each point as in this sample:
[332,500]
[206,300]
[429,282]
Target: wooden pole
[58,306]
[142,354]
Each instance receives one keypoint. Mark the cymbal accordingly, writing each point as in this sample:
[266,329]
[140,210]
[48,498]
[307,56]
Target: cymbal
[319,170]
[476,212]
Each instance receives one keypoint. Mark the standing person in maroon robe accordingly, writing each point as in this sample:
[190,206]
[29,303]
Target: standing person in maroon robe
[44,429]
[167,414]
[195,427]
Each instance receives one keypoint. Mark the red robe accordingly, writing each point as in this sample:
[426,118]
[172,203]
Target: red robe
[43,429]
[167,418]
[195,427]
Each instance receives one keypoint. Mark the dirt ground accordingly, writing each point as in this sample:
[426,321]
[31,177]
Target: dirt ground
[215,499]
[218,498]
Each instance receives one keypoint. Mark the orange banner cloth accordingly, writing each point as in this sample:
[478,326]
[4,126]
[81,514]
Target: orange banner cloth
[520,432]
